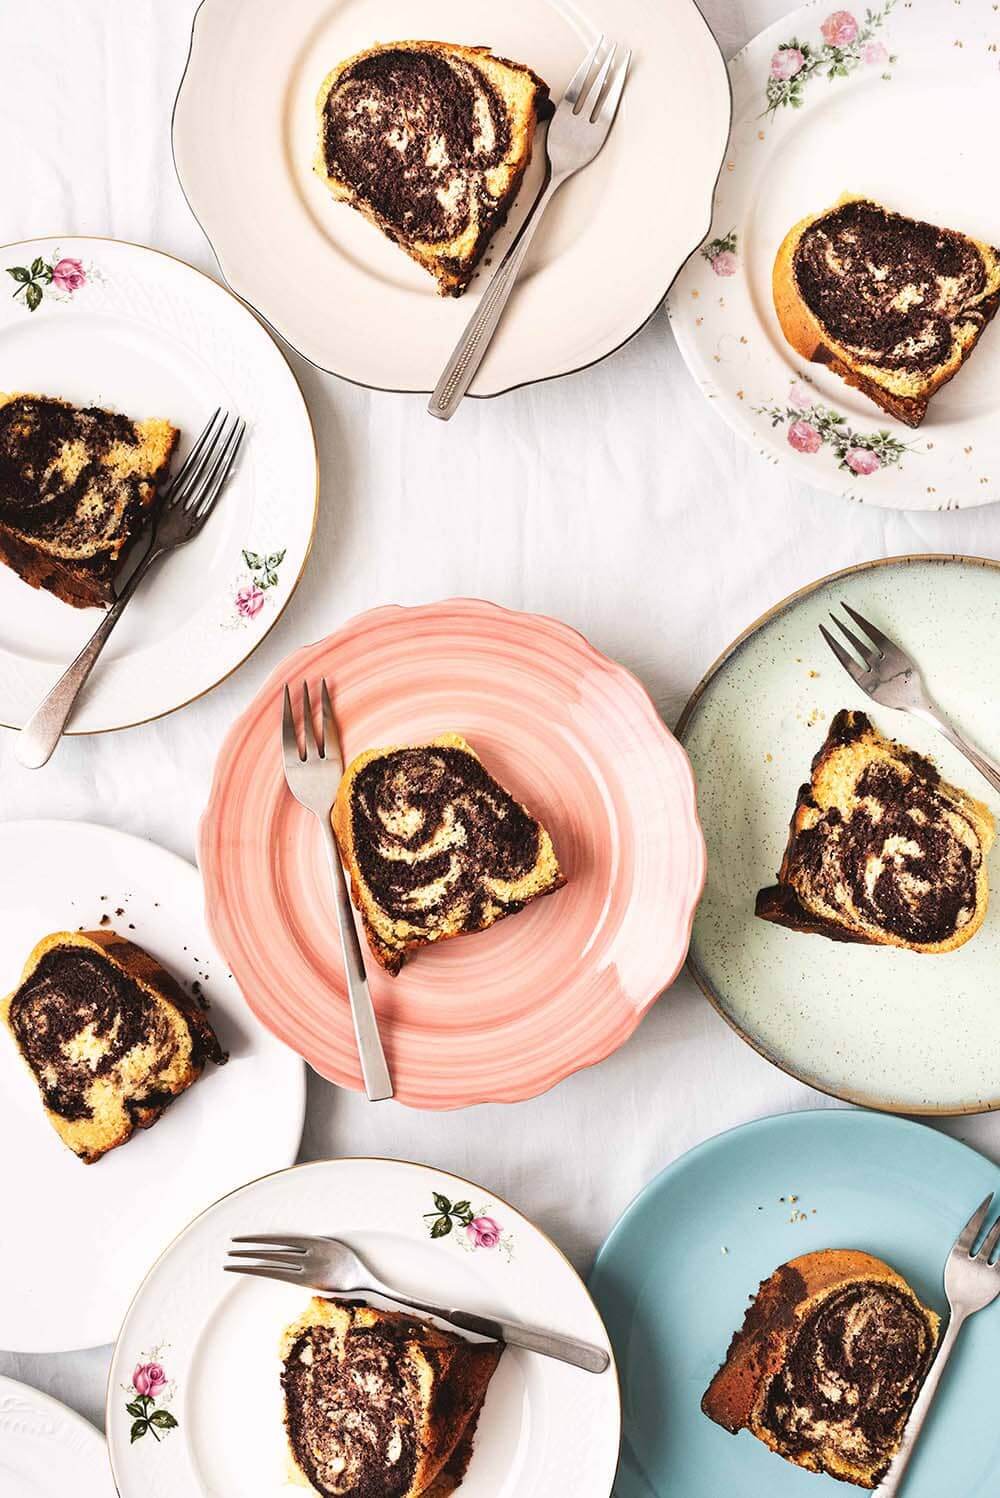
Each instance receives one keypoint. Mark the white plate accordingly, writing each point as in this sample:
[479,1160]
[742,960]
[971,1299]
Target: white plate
[903,1031]
[47,1450]
[349,300]
[147,335]
[912,124]
[78,1237]
[545,1429]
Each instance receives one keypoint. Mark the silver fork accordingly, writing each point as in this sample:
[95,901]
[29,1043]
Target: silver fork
[578,129]
[970,1283]
[329,1265]
[890,677]
[313,778]
[190,499]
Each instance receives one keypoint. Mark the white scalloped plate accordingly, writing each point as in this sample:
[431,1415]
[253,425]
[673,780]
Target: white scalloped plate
[357,306]
[911,121]
[545,1428]
[147,335]
[47,1450]
[81,1235]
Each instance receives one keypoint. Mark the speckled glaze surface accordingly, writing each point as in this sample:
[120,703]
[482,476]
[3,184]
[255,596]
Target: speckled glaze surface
[205,1344]
[675,1275]
[891,1029]
[504,1014]
[821,101]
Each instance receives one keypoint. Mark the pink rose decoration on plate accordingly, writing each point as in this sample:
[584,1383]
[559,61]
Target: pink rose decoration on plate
[800,396]
[862,460]
[249,601]
[725,263]
[875,54]
[786,62]
[149,1378]
[484,1232]
[840,29]
[804,437]
[68,274]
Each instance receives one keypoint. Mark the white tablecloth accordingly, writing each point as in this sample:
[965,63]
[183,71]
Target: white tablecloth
[615,499]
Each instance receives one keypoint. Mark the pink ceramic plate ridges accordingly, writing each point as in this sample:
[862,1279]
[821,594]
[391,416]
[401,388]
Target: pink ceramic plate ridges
[505,1014]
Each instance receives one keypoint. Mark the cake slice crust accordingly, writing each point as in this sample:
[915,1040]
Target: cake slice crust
[892,304]
[77,486]
[825,1370]
[379,1402]
[435,847]
[108,1035]
[430,141]
[881,850]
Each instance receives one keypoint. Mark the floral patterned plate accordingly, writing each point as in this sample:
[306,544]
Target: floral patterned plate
[897,102]
[194,1394]
[105,323]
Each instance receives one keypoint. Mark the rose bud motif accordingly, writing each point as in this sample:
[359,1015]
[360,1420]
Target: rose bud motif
[484,1232]
[862,460]
[249,601]
[804,437]
[840,29]
[149,1378]
[786,62]
[68,274]
[725,263]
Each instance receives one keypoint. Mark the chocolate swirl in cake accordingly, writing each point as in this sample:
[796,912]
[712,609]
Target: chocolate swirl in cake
[907,856]
[415,134]
[349,1409]
[851,1376]
[51,468]
[430,826]
[887,287]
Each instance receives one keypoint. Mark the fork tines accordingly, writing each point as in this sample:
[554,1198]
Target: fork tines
[589,100]
[965,1244]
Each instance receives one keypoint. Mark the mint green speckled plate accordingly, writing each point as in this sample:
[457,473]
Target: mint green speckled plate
[890,1029]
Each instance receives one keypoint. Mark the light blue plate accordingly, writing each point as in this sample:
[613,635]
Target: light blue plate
[675,1275]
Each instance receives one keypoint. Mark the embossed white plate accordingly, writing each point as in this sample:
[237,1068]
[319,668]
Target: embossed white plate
[353,303]
[75,1239]
[101,322]
[47,1450]
[898,103]
[213,1420]
[902,1031]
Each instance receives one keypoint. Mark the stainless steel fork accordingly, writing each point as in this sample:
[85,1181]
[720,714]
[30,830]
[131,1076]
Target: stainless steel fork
[578,129]
[187,504]
[313,777]
[971,1282]
[329,1265]
[891,678]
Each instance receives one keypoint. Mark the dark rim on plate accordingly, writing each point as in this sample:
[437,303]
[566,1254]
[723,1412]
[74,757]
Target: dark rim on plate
[472,394]
[877,1105]
[223,286]
[341,1160]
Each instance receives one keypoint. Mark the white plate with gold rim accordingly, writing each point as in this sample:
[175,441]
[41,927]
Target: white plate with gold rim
[349,300]
[214,1423]
[47,1450]
[899,103]
[76,1237]
[101,322]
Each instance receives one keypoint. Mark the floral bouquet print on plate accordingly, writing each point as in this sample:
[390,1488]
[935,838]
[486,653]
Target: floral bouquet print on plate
[821,102]
[253,586]
[61,277]
[472,1230]
[150,1392]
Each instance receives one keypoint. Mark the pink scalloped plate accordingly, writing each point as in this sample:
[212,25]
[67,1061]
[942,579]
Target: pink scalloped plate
[502,1015]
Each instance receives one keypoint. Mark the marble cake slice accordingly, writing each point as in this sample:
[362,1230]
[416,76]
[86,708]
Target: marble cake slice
[109,1037]
[827,1365]
[893,305]
[435,847]
[379,1404]
[78,484]
[881,850]
[430,141]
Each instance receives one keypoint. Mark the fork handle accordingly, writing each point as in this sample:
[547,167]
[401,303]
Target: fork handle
[43,730]
[374,1071]
[987,767]
[892,1481]
[550,1344]
[471,348]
